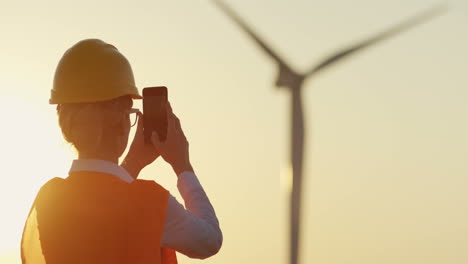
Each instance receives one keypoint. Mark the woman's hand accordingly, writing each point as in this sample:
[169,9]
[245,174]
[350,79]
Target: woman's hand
[175,150]
[140,154]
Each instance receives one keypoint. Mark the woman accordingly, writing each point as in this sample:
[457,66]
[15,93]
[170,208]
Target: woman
[101,213]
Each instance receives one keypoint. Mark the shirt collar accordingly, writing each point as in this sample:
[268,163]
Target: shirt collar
[102,166]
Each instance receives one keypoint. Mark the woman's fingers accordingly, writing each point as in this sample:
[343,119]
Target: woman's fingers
[177,123]
[177,126]
[171,124]
[174,126]
[173,118]
[169,108]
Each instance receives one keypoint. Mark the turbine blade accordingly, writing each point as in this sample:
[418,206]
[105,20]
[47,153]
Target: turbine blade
[342,54]
[237,19]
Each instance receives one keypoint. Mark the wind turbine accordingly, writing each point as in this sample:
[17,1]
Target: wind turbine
[289,78]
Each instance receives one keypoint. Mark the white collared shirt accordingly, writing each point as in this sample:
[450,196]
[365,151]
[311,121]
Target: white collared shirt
[193,231]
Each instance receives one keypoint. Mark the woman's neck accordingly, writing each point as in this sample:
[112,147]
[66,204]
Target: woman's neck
[99,156]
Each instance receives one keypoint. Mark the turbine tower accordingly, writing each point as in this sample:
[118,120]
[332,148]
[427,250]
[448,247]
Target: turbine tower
[293,80]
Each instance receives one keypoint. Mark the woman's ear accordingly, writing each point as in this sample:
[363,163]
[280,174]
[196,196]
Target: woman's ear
[123,126]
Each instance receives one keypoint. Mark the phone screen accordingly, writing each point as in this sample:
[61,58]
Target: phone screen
[154,112]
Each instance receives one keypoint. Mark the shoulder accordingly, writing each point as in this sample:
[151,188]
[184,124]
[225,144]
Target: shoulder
[52,186]
[50,193]
[149,189]
[53,183]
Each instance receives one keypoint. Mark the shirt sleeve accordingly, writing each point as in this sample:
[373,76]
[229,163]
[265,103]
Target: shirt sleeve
[193,231]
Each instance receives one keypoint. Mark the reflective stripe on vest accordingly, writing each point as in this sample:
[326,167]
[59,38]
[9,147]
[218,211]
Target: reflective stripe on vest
[97,218]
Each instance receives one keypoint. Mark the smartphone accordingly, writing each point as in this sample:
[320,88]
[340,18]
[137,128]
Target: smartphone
[154,112]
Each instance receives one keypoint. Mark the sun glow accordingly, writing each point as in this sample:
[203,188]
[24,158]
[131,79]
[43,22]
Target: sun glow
[286,178]
[32,152]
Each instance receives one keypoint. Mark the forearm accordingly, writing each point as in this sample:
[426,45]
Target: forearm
[193,231]
[182,167]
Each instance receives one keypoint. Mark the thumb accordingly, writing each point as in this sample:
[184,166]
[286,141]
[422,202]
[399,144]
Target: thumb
[155,140]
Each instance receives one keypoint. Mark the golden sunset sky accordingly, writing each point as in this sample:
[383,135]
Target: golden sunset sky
[386,171]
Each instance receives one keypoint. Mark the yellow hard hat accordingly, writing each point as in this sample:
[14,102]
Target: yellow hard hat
[92,71]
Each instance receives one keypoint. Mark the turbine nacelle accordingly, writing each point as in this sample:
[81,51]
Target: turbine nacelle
[288,78]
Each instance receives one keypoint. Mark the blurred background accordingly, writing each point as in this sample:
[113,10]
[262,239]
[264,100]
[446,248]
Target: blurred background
[385,167]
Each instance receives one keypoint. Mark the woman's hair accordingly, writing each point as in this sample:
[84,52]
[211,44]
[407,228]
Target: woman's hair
[94,127]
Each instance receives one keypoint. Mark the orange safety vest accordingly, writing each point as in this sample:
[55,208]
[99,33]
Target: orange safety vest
[93,217]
